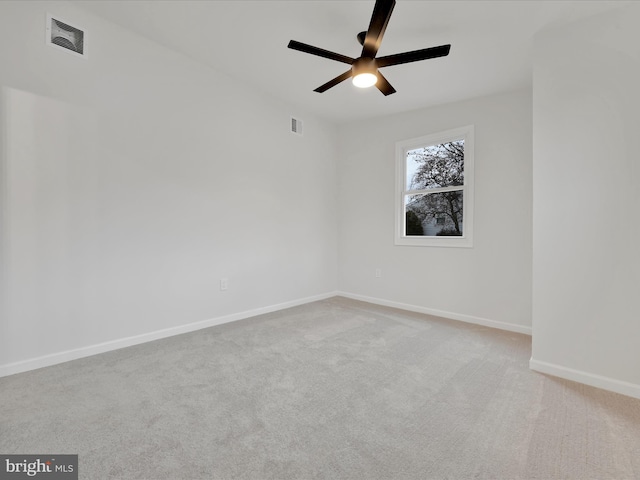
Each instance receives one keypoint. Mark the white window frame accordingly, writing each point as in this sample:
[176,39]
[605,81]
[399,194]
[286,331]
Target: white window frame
[466,240]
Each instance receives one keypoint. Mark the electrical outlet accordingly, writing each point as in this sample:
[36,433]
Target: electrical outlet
[224,283]
[378,273]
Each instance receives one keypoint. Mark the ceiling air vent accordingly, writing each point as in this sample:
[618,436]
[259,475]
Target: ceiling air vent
[296,126]
[66,37]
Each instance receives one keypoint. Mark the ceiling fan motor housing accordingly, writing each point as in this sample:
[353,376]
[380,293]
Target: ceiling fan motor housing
[363,65]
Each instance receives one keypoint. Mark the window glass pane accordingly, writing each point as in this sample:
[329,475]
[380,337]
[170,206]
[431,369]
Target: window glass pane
[434,214]
[435,166]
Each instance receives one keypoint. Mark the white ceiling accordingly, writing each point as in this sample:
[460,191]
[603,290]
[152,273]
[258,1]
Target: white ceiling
[491,45]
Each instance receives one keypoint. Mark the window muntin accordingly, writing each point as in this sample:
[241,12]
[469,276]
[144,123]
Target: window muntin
[435,189]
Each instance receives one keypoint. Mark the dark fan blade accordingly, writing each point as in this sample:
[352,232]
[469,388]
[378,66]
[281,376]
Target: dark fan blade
[424,54]
[379,19]
[303,47]
[384,86]
[334,82]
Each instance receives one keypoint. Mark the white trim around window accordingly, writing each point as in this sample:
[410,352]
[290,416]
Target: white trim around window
[406,189]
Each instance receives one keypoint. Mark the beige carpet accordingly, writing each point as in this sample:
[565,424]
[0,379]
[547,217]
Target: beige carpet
[336,389]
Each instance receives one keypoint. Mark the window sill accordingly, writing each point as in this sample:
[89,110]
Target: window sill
[460,242]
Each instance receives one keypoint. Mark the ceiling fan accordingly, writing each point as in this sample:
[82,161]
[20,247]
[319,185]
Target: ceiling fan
[364,69]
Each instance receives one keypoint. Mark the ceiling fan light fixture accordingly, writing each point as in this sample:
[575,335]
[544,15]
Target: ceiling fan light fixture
[365,80]
[364,72]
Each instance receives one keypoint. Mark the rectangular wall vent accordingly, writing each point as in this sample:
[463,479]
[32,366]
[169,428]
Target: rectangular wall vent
[296,126]
[63,36]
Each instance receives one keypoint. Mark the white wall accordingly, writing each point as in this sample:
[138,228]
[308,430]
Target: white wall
[134,180]
[489,283]
[586,270]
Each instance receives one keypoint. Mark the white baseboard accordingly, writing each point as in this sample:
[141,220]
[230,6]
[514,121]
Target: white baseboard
[618,386]
[61,357]
[606,383]
[512,327]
